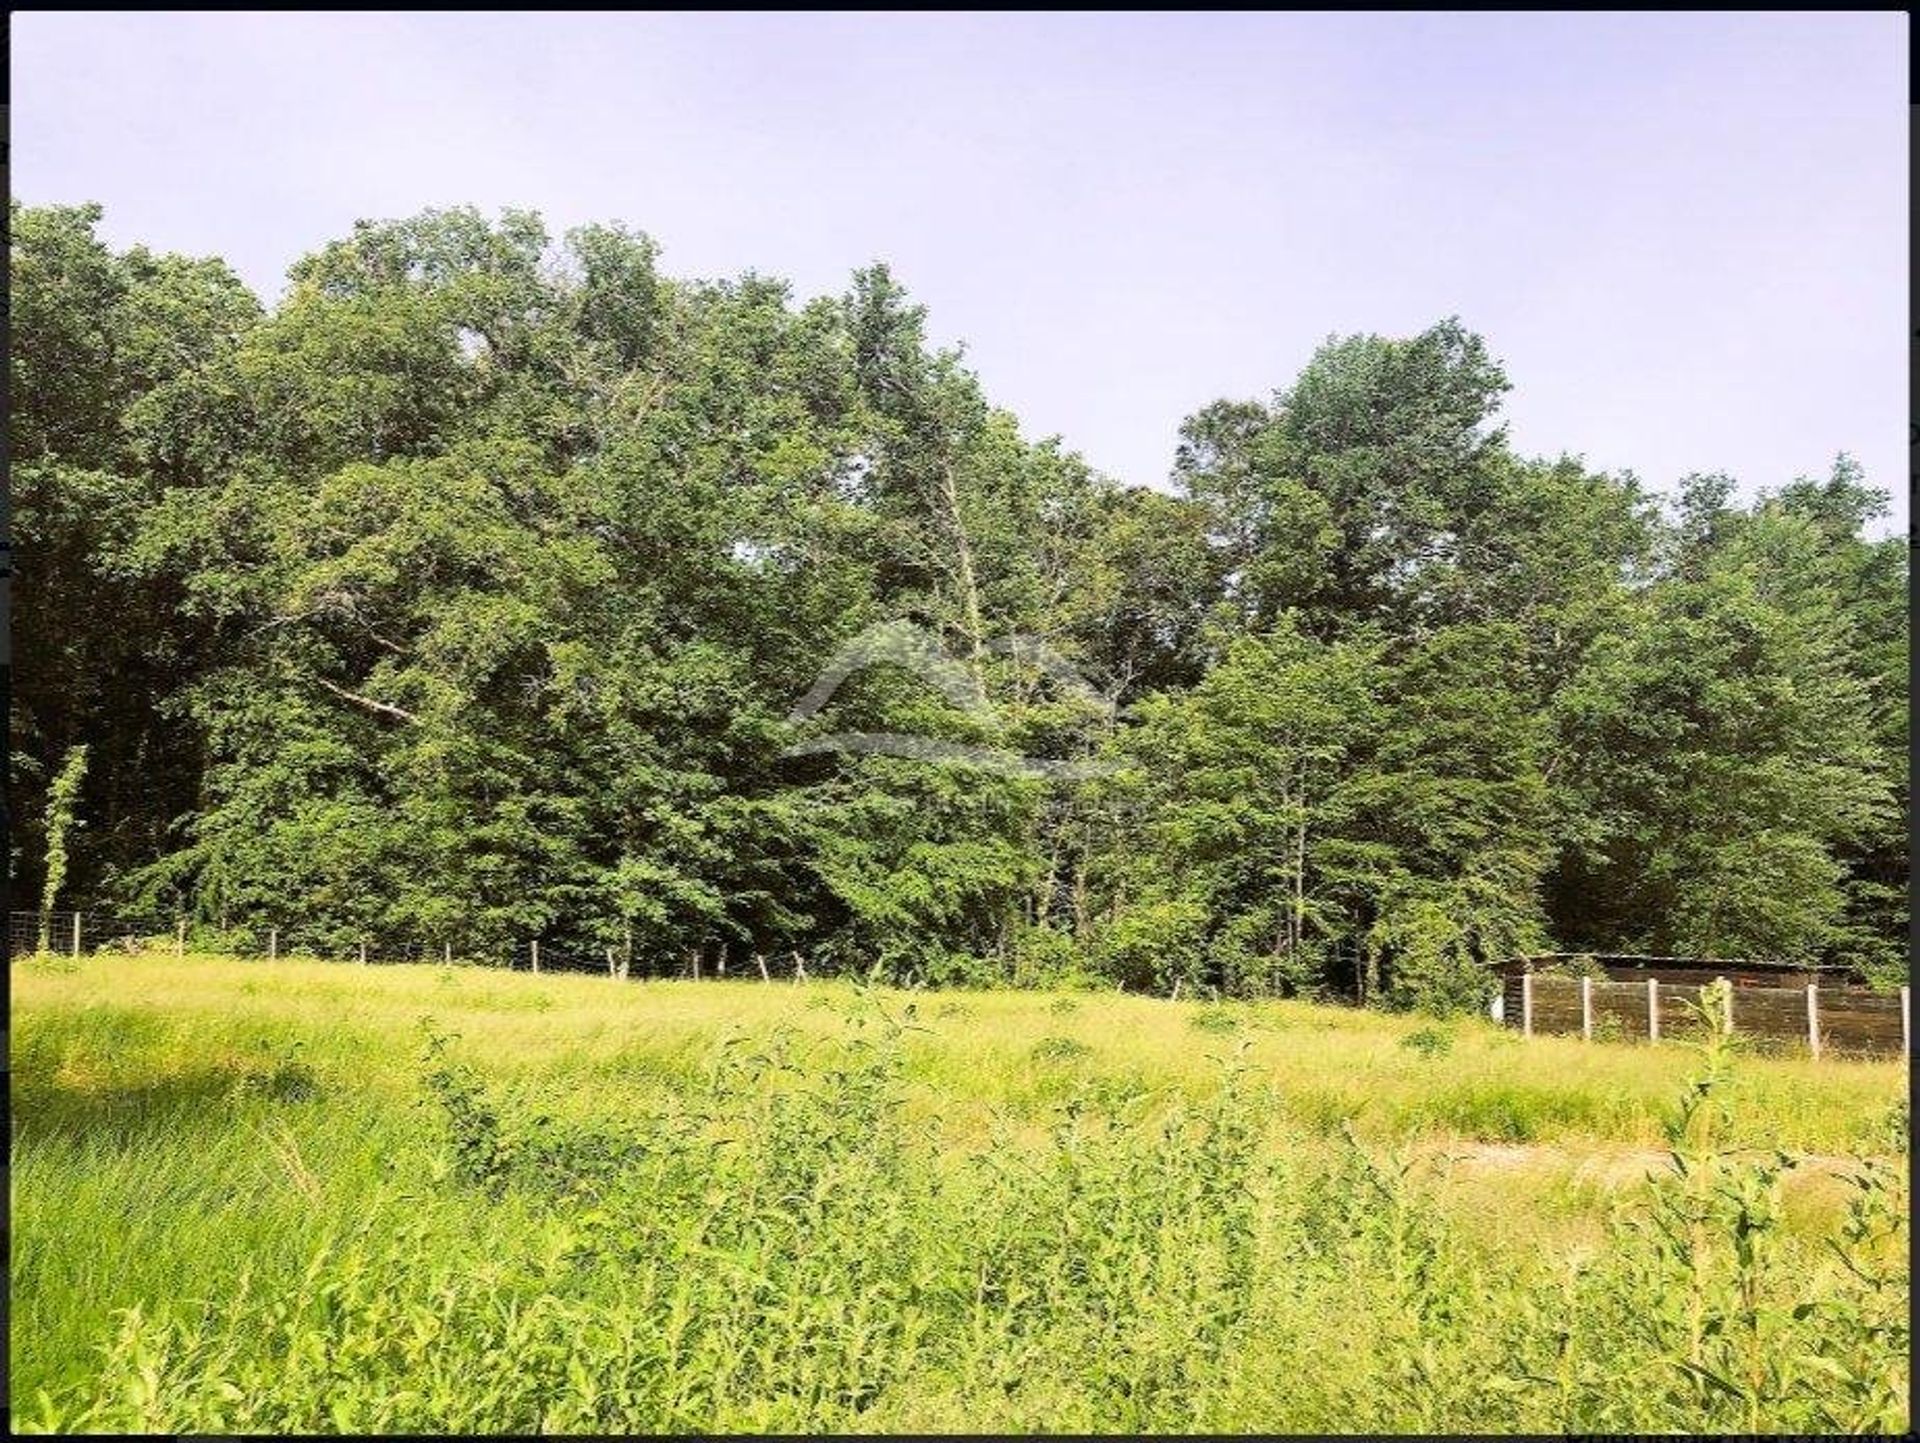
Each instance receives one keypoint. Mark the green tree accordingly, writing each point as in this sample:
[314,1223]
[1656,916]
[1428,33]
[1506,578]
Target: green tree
[462,597]
[62,818]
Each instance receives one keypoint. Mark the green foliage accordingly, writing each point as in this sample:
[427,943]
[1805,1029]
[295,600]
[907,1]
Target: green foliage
[775,1243]
[1216,1019]
[1153,945]
[62,817]
[1045,957]
[1428,1041]
[463,597]
[1060,1049]
[1581,964]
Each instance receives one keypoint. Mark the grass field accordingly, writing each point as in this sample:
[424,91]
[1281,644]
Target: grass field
[298,1196]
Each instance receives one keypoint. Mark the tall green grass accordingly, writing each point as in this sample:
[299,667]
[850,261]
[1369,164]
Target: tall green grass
[303,1197]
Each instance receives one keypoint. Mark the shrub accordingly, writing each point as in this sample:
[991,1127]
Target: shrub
[1428,1042]
[1151,946]
[1060,1049]
[1434,969]
[1044,957]
[285,1079]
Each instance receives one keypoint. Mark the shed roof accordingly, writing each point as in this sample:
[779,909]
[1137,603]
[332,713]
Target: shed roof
[1702,964]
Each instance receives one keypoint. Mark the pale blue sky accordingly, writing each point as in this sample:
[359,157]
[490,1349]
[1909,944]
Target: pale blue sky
[1685,235]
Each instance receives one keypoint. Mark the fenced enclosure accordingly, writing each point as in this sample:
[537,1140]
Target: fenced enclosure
[1821,1020]
[86,934]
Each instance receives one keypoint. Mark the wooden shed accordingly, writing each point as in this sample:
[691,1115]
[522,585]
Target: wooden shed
[1631,996]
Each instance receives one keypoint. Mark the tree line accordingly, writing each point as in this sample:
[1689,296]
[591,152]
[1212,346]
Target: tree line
[465,592]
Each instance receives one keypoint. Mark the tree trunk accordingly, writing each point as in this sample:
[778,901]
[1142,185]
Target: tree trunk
[969,586]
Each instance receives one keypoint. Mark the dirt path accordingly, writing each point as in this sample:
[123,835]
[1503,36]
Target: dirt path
[1613,1165]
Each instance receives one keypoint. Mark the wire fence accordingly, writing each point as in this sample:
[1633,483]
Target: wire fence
[1821,1020]
[74,934]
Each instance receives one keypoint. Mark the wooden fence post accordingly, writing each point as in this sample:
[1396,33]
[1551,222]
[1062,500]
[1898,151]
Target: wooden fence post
[180,938]
[76,934]
[760,957]
[1586,1009]
[535,946]
[363,951]
[1906,1036]
[1813,1019]
[1726,1004]
[1526,1004]
[446,954]
[1653,1009]
[273,944]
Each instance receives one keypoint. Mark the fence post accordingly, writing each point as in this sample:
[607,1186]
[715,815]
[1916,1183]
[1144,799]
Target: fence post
[1653,1009]
[446,954]
[1813,1019]
[1526,1004]
[76,934]
[363,951]
[180,938]
[273,944]
[1726,1003]
[760,957]
[1906,1043]
[536,955]
[1586,1009]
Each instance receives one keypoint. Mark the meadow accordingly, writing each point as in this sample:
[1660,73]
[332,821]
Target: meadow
[305,1196]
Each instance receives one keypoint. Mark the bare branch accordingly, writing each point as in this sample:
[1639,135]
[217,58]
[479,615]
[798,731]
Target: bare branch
[367,701]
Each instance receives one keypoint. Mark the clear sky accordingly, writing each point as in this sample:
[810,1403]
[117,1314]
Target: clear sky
[1685,235]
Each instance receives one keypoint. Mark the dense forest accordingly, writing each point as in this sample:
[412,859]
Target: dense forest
[464,594]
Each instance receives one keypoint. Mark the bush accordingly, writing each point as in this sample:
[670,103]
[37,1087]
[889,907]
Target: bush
[1060,1049]
[1151,946]
[1044,957]
[1243,957]
[1434,969]
[1215,1018]
[1428,1042]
